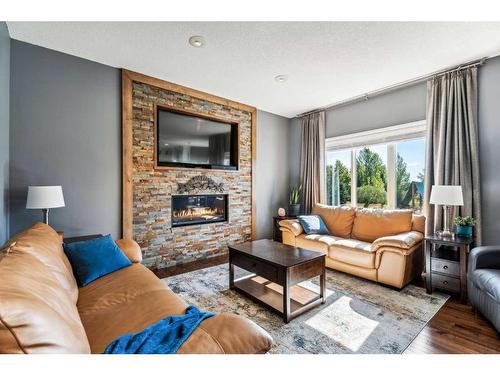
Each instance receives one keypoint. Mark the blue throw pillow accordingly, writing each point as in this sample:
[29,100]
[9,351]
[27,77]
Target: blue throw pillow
[95,258]
[313,224]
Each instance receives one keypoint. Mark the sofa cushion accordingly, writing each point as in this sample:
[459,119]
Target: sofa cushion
[313,224]
[133,298]
[337,219]
[354,252]
[316,242]
[370,224]
[37,312]
[95,258]
[488,280]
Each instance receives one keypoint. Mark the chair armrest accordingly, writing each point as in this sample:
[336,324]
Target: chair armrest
[131,249]
[484,257]
[403,241]
[293,226]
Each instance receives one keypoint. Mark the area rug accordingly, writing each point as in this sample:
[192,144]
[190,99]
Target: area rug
[359,316]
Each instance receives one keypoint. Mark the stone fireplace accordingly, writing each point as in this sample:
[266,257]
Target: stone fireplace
[198,209]
[176,214]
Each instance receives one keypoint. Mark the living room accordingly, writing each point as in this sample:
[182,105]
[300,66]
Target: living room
[249,187]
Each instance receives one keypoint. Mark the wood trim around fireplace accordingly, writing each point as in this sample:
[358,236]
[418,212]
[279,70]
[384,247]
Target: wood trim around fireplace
[127,192]
[127,141]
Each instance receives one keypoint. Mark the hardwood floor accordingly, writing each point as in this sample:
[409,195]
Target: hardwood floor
[455,329]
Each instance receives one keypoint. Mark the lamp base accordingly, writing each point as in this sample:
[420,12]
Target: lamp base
[445,234]
[45,215]
[446,220]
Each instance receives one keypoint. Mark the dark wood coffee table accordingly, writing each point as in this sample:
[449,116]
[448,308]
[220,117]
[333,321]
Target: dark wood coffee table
[276,269]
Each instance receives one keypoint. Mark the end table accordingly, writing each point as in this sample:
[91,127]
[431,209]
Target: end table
[446,264]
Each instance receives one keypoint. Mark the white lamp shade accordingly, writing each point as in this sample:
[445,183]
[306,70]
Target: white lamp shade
[447,195]
[40,197]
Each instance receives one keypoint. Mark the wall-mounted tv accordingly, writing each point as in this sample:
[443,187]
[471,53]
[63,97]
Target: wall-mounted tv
[192,141]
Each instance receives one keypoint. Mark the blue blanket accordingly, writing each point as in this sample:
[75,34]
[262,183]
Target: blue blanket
[164,337]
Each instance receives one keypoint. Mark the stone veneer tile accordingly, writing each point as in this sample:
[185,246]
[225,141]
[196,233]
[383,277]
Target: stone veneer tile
[161,244]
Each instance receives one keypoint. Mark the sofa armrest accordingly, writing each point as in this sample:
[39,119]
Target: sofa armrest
[404,241]
[484,257]
[232,333]
[293,226]
[131,249]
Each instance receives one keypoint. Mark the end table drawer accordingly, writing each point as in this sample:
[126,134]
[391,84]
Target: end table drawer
[445,282]
[445,266]
[267,271]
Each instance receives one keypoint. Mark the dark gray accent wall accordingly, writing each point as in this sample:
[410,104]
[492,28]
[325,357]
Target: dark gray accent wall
[489,149]
[65,130]
[272,169]
[4,130]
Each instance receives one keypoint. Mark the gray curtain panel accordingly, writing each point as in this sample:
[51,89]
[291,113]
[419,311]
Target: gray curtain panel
[452,154]
[312,160]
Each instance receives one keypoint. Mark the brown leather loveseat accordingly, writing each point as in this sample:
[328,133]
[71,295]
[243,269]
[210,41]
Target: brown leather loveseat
[379,245]
[43,311]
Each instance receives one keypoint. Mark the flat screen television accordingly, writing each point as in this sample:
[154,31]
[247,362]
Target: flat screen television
[186,140]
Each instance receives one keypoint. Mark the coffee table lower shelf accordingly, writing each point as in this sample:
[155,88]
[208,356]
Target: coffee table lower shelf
[270,294]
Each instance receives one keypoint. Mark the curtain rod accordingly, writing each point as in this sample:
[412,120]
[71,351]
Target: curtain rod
[410,82]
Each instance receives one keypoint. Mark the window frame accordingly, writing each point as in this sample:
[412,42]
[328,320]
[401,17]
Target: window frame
[388,136]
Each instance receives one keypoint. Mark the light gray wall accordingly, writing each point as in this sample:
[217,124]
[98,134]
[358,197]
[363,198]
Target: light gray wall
[4,130]
[272,169]
[65,130]
[397,107]
[489,150]
[408,105]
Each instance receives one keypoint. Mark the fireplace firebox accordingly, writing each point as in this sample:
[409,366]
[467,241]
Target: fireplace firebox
[198,209]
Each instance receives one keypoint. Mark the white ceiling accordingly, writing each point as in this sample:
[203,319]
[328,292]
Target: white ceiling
[326,61]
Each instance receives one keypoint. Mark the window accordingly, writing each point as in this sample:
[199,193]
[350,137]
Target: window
[338,177]
[410,162]
[377,169]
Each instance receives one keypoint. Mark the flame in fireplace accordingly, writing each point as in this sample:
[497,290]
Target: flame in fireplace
[203,212]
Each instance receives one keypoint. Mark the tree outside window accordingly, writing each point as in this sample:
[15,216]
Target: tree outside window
[338,178]
[372,175]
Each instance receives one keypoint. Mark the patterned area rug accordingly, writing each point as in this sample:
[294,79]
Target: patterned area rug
[359,316]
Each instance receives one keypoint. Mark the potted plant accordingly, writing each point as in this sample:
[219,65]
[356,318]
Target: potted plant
[464,225]
[294,200]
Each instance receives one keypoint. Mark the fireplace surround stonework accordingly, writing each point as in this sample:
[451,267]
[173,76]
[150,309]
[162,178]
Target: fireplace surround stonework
[148,189]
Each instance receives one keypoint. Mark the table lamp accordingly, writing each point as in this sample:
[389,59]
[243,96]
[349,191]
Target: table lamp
[43,198]
[446,196]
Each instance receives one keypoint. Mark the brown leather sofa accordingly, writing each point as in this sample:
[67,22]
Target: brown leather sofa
[379,245]
[43,311]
